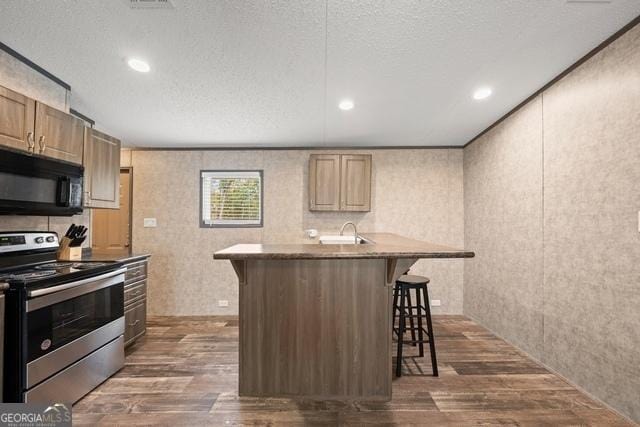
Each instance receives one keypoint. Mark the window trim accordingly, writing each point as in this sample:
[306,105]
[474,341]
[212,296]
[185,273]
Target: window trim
[205,225]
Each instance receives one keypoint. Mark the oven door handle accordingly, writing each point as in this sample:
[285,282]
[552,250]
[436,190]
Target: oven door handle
[48,296]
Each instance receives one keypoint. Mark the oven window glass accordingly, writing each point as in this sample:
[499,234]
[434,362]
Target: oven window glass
[52,327]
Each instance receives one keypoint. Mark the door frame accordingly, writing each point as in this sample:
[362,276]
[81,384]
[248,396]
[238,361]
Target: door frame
[130,170]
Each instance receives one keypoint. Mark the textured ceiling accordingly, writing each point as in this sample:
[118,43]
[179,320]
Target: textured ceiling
[252,73]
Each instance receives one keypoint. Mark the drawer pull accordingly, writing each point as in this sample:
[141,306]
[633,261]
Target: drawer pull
[134,323]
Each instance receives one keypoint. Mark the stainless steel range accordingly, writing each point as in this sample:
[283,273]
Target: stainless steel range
[64,321]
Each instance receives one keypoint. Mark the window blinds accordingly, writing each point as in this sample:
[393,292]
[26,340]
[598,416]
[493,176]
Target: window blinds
[231,198]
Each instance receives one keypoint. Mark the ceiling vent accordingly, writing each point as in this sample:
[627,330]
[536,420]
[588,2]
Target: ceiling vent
[151,4]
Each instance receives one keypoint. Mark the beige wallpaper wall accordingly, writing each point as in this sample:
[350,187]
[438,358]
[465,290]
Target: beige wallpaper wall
[415,193]
[21,78]
[551,209]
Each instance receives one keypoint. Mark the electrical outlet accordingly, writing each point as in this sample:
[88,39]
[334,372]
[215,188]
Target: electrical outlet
[223,303]
[435,303]
[150,222]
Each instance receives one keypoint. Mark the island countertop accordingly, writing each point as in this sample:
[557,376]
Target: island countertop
[383,245]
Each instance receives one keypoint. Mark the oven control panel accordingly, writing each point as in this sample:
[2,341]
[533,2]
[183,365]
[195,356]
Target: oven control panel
[17,242]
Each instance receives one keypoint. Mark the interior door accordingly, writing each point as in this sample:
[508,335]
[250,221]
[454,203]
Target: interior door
[355,182]
[58,135]
[324,182]
[112,227]
[16,120]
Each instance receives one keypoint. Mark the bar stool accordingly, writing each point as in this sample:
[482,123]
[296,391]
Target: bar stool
[405,309]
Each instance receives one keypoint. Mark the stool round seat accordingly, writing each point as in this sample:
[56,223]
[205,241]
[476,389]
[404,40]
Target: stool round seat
[410,279]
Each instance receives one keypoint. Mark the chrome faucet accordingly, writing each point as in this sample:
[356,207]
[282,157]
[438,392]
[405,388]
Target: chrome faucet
[355,231]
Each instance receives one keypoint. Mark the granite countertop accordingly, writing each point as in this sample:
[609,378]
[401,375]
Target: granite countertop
[123,256]
[384,245]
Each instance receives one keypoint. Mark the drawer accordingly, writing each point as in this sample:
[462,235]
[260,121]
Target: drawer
[135,291]
[135,319]
[135,271]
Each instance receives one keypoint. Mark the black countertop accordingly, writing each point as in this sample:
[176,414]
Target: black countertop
[124,256]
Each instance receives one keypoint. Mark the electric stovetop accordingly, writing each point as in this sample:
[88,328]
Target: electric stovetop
[52,273]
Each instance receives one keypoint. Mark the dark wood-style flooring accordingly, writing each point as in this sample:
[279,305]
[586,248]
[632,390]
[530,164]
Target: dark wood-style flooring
[185,372]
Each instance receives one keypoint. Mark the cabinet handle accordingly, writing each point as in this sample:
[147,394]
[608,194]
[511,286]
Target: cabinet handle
[31,142]
[134,323]
[42,144]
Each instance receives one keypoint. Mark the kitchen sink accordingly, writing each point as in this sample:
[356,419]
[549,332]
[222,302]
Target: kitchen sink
[342,240]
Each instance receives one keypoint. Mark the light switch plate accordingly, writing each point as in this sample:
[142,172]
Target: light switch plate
[435,303]
[150,222]
[223,303]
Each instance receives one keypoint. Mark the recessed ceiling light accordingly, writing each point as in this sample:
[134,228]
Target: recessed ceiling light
[346,105]
[482,93]
[139,65]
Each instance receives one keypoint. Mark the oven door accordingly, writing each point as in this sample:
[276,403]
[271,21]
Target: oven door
[65,323]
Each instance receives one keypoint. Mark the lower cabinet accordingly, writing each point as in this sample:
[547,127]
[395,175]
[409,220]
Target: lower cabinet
[135,301]
[135,318]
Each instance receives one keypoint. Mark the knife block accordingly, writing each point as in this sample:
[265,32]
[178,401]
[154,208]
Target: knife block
[68,253]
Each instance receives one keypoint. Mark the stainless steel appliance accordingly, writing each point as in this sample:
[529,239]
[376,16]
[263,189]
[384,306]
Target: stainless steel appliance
[3,287]
[37,186]
[65,320]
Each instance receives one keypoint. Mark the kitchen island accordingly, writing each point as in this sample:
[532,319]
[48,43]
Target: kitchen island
[315,320]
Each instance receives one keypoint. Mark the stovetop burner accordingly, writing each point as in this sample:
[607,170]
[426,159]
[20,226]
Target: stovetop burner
[88,265]
[28,275]
[65,264]
[53,265]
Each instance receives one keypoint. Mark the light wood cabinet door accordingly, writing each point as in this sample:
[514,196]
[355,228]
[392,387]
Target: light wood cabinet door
[17,120]
[324,182]
[101,170]
[355,182]
[58,135]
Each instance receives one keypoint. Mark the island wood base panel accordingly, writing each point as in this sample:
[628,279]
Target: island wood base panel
[315,328]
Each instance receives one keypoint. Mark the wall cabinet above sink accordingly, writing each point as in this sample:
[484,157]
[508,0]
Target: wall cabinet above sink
[340,182]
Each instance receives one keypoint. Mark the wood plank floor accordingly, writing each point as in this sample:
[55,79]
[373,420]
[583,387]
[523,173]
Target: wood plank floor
[185,372]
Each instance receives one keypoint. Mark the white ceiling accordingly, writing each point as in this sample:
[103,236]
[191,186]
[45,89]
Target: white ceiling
[252,73]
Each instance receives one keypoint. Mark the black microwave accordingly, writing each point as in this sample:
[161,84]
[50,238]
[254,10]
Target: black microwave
[31,185]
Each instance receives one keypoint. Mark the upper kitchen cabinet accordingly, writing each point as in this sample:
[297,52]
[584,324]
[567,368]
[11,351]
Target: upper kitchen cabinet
[101,170]
[16,120]
[324,182]
[58,135]
[355,183]
[340,182]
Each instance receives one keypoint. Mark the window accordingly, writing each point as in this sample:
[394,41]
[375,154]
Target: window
[231,198]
